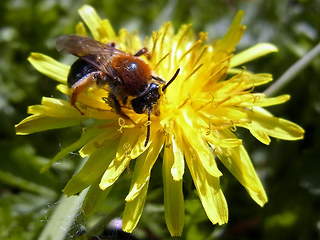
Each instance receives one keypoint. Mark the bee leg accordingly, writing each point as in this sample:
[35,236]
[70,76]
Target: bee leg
[158,79]
[125,100]
[114,103]
[73,100]
[76,107]
[80,86]
[142,51]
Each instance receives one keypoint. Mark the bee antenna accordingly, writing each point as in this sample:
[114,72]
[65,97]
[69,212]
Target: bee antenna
[148,129]
[171,80]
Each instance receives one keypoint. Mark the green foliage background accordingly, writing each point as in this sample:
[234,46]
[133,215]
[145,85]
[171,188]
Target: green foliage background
[290,171]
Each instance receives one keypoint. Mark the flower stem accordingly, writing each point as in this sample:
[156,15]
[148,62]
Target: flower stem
[293,71]
[64,214]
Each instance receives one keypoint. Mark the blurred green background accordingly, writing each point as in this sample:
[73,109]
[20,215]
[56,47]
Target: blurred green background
[290,171]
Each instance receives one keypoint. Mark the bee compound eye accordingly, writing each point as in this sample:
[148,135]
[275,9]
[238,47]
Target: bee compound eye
[138,105]
[147,100]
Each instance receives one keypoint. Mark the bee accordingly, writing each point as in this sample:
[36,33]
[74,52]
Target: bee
[126,75]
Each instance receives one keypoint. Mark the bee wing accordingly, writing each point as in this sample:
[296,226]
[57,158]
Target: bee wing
[96,53]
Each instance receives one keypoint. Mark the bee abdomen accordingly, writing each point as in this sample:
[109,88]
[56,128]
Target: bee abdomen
[78,71]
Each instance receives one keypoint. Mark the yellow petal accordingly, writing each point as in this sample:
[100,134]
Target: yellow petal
[92,170]
[81,29]
[252,53]
[92,20]
[240,82]
[49,67]
[143,166]
[127,142]
[133,210]
[39,123]
[210,136]
[52,114]
[177,169]
[57,108]
[101,29]
[173,194]
[261,136]
[124,154]
[201,149]
[262,120]
[107,30]
[63,88]
[239,164]
[228,142]
[208,188]
[221,115]
[104,137]
[233,36]
[253,80]
[113,172]
[261,101]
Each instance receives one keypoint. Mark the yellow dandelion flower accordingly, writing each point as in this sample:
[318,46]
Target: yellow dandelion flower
[194,121]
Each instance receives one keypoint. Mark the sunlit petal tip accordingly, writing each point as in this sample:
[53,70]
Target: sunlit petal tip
[81,29]
[233,35]
[135,191]
[49,67]
[101,29]
[103,185]
[92,20]
[259,197]
[240,14]
[252,53]
[105,182]
[177,175]
[20,129]
[88,12]
[133,210]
